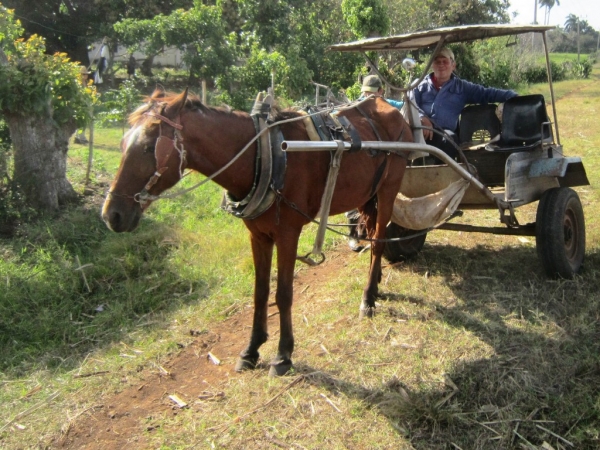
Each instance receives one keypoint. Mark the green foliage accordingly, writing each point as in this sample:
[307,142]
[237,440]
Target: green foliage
[460,12]
[241,83]
[367,18]
[199,32]
[33,82]
[268,20]
[5,142]
[116,104]
[582,69]
[535,74]
[493,63]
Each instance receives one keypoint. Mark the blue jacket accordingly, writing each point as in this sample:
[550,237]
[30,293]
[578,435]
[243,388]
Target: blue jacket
[443,107]
[395,103]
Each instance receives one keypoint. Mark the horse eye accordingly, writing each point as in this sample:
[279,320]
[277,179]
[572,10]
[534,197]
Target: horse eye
[149,149]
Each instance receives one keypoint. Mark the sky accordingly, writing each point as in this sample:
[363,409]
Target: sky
[584,9]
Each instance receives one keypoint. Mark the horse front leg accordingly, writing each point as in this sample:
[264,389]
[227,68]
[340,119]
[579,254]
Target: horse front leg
[287,247]
[262,254]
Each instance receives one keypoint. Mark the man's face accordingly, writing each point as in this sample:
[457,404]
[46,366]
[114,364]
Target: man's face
[443,68]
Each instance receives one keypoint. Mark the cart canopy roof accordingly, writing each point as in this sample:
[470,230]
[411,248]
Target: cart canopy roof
[422,39]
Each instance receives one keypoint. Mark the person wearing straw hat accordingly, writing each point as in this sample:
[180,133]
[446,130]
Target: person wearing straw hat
[372,86]
[442,95]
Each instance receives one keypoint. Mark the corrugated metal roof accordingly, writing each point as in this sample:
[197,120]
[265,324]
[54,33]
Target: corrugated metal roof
[421,39]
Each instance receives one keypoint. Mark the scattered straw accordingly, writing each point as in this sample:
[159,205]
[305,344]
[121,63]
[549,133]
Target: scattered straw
[555,435]
[238,419]
[29,410]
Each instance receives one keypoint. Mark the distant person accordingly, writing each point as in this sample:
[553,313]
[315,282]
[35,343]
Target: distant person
[442,95]
[131,66]
[102,65]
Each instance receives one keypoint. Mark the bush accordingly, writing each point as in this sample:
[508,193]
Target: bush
[582,69]
[13,208]
[116,104]
[535,74]
[538,73]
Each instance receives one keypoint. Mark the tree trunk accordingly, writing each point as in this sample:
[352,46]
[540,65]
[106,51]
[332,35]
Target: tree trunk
[40,160]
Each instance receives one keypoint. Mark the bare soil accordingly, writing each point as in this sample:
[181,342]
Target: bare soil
[119,421]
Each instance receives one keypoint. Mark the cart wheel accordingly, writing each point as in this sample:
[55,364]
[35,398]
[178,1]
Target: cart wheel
[405,249]
[560,232]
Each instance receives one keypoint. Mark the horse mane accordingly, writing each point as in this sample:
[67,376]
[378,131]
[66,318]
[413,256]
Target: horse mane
[158,97]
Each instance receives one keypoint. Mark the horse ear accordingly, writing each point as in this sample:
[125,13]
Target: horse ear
[178,103]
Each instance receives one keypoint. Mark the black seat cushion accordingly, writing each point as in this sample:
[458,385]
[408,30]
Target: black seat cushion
[522,122]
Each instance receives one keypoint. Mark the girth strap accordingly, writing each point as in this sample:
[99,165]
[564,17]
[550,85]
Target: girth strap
[370,122]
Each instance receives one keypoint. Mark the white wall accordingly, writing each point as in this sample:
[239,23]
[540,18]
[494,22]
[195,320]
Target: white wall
[170,57]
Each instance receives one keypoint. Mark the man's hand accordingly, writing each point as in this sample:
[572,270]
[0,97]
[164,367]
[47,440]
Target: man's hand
[427,134]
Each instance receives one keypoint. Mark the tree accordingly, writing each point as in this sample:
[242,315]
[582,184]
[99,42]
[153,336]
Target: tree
[572,24]
[460,12]
[70,26]
[199,32]
[548,4]
[43,102]
[367,18]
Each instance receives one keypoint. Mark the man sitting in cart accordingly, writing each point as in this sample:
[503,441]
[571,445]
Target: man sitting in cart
[441,97]
[372,86]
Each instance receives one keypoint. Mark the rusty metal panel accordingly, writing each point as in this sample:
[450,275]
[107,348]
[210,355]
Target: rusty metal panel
[520,188]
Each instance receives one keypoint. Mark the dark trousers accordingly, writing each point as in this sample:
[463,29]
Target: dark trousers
[444,144]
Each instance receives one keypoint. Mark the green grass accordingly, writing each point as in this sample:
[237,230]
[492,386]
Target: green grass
[564,57]
[473,347]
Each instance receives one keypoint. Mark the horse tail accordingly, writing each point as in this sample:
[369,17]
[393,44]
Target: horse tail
[368,218]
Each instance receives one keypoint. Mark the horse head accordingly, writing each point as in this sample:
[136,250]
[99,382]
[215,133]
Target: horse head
[152,160]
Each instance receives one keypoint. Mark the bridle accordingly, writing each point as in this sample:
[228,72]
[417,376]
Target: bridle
[163,149]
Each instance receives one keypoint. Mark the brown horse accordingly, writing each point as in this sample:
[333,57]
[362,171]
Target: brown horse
[212,137]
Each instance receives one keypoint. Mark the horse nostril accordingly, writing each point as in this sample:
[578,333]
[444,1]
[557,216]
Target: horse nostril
[115,219]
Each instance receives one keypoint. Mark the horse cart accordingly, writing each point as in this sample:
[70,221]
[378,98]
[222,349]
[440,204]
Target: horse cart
[277,193]
[507,160]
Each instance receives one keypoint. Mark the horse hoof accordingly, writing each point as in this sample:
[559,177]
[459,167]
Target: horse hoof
[280,368]
[366,312]
[245,364]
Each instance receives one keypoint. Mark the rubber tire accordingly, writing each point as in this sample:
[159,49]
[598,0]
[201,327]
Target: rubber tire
[402,250]
[560,232]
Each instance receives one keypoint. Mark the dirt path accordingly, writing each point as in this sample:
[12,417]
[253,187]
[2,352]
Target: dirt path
[120,421]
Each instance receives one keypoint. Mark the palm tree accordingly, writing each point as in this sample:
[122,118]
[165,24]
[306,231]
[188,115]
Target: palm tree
[548,4]
[572,24]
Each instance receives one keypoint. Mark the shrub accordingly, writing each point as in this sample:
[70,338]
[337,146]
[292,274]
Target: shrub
[117,104]
[582,69]
[535,74]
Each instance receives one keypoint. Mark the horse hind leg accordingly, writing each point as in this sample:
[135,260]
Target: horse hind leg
[262,253]
[378,214]
[369,219]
